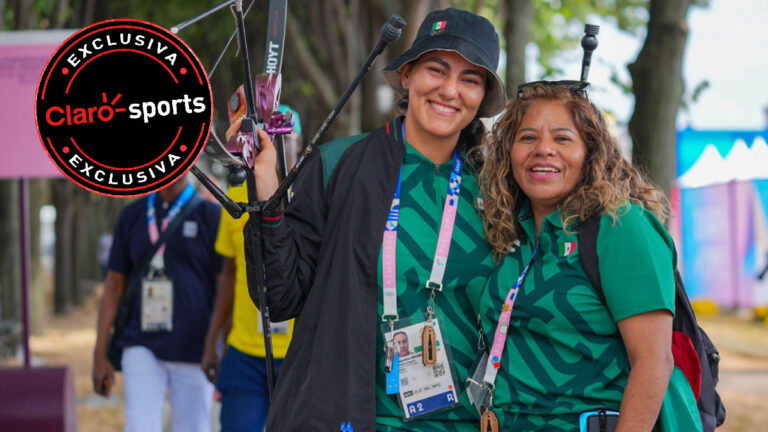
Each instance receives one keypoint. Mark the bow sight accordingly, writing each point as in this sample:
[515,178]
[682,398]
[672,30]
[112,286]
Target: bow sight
[256,102]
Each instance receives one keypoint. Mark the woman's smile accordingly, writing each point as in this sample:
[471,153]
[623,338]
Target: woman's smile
[547,154]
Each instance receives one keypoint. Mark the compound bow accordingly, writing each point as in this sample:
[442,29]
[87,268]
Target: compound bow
[259,105]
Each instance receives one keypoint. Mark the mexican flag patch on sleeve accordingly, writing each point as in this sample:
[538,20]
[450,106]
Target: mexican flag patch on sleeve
[566,248]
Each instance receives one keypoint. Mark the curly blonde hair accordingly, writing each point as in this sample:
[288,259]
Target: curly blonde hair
[607,184]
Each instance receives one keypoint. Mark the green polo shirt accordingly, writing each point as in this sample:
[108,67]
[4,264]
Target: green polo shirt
[470,263]
[564,355]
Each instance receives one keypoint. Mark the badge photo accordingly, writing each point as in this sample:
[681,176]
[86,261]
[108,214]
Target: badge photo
[421,387]
[156,305]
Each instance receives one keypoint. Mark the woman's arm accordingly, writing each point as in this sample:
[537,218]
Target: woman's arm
[291,239]
[648,341]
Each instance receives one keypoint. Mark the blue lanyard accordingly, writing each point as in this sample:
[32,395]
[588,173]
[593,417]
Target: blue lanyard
[185,196]
[521,278]
[454,187]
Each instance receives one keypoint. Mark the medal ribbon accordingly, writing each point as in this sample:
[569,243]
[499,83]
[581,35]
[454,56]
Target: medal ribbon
[389,245]
[500,337]
[154,233]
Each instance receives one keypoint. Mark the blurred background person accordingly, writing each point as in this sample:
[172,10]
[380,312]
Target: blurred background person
[162,335]
[105,244]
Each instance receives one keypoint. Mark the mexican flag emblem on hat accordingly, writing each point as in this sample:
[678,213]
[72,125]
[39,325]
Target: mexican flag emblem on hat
[438,26]
[567,248]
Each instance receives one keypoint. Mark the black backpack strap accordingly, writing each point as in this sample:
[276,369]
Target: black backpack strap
[710,405]
[587,238]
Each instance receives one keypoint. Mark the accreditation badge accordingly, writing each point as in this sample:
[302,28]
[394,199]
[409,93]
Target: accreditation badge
[421,389]
[282,327]
[480,394]
[156,304]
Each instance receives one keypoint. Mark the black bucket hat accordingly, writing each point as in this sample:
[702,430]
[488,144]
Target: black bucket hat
[466,33]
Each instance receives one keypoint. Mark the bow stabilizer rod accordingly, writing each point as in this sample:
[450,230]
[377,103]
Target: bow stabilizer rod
[589,44]
[390,32]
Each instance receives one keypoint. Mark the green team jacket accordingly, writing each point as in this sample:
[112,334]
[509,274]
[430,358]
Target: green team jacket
[322,264]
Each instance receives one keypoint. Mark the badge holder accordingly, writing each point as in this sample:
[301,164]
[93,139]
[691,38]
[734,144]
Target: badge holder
[480,394]
[423,377]
[156,298]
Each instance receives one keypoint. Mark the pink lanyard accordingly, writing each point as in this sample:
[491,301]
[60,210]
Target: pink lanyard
[154,233]
[389,246]
[500,337]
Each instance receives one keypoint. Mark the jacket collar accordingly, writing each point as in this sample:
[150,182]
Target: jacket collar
[394,129]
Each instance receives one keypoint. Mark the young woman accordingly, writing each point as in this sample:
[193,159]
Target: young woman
[382,228]
[551,164]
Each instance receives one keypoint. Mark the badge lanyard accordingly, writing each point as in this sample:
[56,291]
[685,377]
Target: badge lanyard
[448,220]
[500,337]
[154,234]
[429,387]
[484,375]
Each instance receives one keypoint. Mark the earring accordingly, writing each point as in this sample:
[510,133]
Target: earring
[405,85]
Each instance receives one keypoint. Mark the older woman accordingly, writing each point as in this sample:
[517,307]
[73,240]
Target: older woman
[551,164]
[382,229]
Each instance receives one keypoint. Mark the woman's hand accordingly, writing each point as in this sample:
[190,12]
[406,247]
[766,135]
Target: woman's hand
[648,341]
[265,164]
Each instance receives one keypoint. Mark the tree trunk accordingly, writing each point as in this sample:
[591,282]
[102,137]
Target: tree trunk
[417,10]
[657,83]
[354,58]
[81,246]
[63,194]
[24,16]
[88,12]
[2,15]
[371,22]
[60,13]
[10,274]
[517,31]
[39,195]
[103,10]
[306,59]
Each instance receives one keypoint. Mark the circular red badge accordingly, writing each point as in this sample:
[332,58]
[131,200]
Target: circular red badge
[123,108]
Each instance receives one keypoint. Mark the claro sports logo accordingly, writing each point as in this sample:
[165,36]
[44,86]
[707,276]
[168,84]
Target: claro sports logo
[123,108]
